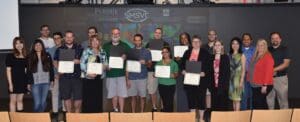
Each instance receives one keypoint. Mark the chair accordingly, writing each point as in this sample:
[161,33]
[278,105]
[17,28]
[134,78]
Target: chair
[231,116]
[87,117]
[174,117]
[272,115]
[131,117]
[296,115]
[29,117]
[4,117]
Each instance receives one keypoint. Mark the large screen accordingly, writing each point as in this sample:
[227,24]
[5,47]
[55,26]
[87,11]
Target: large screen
[9,25]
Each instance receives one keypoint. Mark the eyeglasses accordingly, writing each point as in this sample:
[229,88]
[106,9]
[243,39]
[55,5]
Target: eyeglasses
[164,52]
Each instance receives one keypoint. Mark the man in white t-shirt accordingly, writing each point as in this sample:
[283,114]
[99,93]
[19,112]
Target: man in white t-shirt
[45,37]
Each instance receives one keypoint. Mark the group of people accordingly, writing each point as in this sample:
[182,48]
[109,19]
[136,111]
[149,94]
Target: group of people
[249,76]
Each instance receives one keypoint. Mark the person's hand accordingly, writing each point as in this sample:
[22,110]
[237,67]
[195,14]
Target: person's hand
[29,87]
[76,61]
[92,75]
[172,75]
[241,85]
[124,57]
[11,88]
[51,85]
[264,89]
[183,72]
[142,61]
[202,74]
[128,84]
[177,58]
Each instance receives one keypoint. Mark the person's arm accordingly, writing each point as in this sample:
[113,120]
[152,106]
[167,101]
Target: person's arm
[55,58]
[243,61]
[286,61]
[51,68]
[83,59]
[268,66]
[175,72]
[8,63]
[226,71]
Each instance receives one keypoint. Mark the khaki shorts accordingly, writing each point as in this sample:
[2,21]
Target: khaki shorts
[116,87]
[138,88]
[152,83]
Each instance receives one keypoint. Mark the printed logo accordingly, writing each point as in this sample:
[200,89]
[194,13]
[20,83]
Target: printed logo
[136,15]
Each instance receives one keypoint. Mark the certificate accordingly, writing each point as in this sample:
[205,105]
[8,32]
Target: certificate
[94,68]
[133,66]
[179,50]
[192,79]
[156,55]
[162,71]
[116,62]
[66,66]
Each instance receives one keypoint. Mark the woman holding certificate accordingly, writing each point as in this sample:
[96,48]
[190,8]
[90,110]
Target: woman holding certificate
[196,90]
[220,77]
[40,74]
[92,63]
[166,79]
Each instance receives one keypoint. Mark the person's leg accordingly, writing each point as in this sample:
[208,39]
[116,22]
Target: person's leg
[282,94]
[68,105]
[111,86]
[44,94]
[142,101]
[152,89]
[208,99]
[141,86]
[162,91]
[20,102]
[65,93]
[55,97]
[272,95]
[121,92]
[133,103]
[77,94]
[170,98]
[12,102]
[245,97]
[36,94]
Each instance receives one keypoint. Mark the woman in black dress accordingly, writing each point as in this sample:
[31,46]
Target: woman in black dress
[16,74]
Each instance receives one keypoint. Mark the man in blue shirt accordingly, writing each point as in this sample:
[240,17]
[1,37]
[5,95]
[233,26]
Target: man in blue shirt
[137,82]
[248,50]
[70,85]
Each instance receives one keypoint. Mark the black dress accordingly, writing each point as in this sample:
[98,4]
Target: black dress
[18,73]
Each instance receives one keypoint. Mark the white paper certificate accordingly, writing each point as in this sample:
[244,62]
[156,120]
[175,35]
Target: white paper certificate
[179,50]
[133,66]
[66,66]
[192,79]
[156,55]
[94,68]
[162,71]
[116,62]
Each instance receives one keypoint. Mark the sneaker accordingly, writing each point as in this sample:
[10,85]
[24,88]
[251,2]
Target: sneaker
[116,110]
[154,109]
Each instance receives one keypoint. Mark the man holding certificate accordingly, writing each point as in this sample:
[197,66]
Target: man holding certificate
[166,71]
[115,76]
[196,91]
[67,58]
[155,45]
[137,81]
[93,62]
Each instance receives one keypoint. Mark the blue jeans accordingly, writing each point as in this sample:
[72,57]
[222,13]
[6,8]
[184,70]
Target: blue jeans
[39,93]
[246,102]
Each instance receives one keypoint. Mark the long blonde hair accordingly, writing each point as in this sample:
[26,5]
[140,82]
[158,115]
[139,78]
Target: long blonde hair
[256,55]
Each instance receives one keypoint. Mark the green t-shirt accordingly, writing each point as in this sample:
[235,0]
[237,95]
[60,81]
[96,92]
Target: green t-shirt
[115,72]
[174,69]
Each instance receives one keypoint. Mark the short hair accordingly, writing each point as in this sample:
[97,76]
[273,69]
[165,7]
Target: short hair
[43,26]
[247,34]
[239,42]
[69,31]
[275,32]
[58,34]
[94,28]
[159,28]
[196,37]
[138,35]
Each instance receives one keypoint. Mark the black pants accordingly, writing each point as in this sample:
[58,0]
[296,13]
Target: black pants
[259,100]
[219,99]
[167,95]
[196,96]
[92,95]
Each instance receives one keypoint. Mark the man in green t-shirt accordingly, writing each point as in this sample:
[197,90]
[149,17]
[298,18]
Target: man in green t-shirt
[115,78]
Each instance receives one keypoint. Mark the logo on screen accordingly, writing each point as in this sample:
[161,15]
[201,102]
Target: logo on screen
[136,15]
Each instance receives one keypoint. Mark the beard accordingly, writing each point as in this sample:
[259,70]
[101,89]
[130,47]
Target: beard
[115,39]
